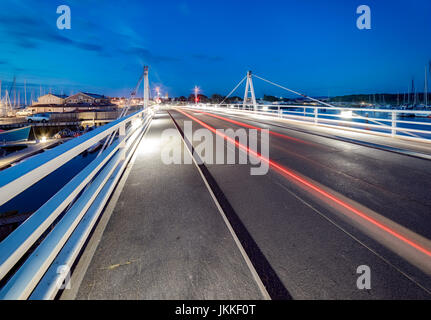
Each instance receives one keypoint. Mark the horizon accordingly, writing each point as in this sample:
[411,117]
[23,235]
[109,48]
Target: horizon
[238,95]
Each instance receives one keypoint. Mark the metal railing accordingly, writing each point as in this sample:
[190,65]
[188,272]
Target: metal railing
[406,124]
[34,256]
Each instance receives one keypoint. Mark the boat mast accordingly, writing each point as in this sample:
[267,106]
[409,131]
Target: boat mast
[2,107]
[426,87]
[7,102]
[25,92]
[408,95]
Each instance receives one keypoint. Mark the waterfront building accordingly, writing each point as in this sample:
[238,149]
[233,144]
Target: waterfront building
[87,98]
[51,99]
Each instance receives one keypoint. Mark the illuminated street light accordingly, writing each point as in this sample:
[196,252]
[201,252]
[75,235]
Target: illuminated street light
[158,100]
[196,94]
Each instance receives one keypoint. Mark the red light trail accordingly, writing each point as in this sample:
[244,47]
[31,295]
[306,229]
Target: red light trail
[242,124]
[310,185]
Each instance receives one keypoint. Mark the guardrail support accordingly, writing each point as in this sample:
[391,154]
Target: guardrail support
[122,137]
[394,124]
[69,234]
[346,120]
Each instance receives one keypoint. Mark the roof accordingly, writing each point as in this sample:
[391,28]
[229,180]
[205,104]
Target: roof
[94,95]
[46,105]
[61,96]
[91,95]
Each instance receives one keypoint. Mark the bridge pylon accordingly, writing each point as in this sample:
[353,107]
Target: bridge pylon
[146,87]
[249,89]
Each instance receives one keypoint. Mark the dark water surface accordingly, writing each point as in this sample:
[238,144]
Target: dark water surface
[35,196]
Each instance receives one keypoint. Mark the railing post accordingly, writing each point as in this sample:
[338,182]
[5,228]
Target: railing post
[316,114]
[394,124]
[279,111]
[122,137]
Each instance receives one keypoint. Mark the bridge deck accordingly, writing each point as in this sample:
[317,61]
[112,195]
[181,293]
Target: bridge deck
[373,139]
[166,238]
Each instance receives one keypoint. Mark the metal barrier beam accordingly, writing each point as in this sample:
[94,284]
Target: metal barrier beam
[388,126]
[88,192]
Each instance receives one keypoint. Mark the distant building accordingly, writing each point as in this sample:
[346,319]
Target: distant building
[82,101]
[87,98]
[40,108]
[51,98]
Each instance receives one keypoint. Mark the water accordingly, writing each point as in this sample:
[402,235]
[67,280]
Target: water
[34,197]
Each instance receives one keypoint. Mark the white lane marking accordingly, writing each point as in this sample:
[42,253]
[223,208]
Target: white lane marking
[253,271]
[352,236]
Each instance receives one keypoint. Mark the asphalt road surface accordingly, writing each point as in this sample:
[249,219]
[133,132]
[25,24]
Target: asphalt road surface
[325,208]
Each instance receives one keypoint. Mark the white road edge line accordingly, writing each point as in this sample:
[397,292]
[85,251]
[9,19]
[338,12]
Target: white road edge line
[306,203]
[253,271]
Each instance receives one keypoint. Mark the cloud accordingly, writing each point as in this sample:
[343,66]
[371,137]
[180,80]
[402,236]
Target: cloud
[88,46]
[28,32]
[207,57]
[148,55]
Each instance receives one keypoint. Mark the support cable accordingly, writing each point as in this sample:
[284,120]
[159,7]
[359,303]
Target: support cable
[331,106]
[233,90]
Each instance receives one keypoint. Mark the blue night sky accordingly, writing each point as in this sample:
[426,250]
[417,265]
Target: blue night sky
[310,46]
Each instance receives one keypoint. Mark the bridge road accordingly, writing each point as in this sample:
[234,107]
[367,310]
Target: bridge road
[166,238]
[312,247]
[393,184]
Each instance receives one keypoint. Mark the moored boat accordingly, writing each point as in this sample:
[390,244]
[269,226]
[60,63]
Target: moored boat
[15,135]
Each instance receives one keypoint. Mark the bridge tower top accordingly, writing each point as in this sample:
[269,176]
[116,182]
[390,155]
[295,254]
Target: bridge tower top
[249,88]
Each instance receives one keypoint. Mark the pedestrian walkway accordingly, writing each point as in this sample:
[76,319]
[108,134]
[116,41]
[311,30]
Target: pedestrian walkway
[166,238]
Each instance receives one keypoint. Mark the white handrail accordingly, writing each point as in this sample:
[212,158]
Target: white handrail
[97,175]
[16,179]
[47,287]
[389,126]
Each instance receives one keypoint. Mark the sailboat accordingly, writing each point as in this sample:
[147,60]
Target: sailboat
[423,106]
[14,135]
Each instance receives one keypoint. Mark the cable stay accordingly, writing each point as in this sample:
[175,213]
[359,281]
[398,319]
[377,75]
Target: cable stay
[236,87]
[332,106]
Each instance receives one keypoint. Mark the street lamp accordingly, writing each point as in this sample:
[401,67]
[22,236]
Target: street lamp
[196,94]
